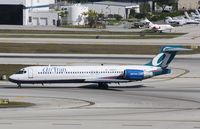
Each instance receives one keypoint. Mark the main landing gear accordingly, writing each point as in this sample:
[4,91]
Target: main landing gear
[103,85]
[19,85]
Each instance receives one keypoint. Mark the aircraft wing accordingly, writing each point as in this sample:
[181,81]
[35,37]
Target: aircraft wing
[106,80]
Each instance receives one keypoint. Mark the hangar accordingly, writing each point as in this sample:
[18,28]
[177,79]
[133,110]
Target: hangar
[27,12]
[11,14]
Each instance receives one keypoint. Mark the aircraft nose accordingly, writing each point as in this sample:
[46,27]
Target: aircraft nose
[12,78]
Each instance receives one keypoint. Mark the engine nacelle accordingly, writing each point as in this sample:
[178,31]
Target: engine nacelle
[131,74]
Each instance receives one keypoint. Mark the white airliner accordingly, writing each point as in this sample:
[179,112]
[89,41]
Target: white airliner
[102,75]
[192,19]
[188,21]
[158,27]
[195,14]
[175,21]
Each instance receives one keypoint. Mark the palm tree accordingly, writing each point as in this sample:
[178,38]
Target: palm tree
[92,17]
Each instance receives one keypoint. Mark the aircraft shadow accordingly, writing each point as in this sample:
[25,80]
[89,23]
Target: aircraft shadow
[91,86]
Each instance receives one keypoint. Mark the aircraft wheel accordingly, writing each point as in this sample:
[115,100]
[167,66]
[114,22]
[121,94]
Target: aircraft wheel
[103,85]
[19,85]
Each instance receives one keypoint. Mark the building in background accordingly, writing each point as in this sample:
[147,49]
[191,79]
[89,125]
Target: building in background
[188,4]
[108,7]
[76,14]
[27,12]
[42,12]
[38,13]
[75,11]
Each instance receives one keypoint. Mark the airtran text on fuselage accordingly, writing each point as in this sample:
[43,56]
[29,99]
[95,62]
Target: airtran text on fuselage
[54,70]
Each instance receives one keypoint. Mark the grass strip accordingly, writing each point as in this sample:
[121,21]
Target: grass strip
[16,105]
[92,36]
[83,49]
[83,32]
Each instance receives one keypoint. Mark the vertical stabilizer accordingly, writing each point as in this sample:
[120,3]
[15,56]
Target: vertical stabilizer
[166,55]
[187,15]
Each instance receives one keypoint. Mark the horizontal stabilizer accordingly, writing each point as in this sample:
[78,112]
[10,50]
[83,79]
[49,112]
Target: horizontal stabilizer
[175,49]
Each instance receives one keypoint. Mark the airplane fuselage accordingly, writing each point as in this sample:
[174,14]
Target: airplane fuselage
[80,74]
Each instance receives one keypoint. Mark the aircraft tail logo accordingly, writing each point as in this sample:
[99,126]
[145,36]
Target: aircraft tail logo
[166,55]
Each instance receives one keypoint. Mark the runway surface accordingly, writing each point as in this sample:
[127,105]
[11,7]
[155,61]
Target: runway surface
[183,40]
[160,103]
[165,102]
[191,38]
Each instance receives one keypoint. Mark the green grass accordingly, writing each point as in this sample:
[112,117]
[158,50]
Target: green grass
[82,49]
[16,105]
[85,34]
[82,32]
[92,36]
[77,48]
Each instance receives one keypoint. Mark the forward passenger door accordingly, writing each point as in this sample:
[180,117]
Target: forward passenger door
[30,73]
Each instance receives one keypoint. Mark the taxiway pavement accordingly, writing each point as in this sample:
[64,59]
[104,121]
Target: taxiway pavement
[191,38]
[183,40]
[166,102]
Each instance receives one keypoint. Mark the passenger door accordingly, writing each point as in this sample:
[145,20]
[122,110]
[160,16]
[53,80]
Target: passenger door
[30,73]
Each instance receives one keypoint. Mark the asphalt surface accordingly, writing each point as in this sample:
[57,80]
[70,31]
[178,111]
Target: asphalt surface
[165,102]
[192,38]
[174,41]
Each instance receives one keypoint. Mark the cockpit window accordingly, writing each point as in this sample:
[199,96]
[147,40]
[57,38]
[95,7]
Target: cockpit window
[21,71]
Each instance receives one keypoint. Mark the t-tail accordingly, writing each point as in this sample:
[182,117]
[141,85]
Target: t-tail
[149,22]
[165,57]
[187,15]
[197,12]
